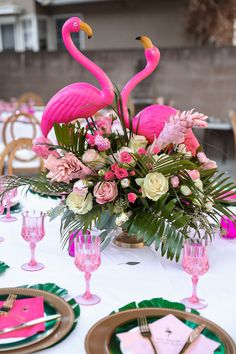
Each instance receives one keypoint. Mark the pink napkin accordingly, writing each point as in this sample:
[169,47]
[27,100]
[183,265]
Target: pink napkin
[23,310]
[169,335]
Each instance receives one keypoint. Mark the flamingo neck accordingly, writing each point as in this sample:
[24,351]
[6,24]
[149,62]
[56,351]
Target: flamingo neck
[103,79]
[135,80]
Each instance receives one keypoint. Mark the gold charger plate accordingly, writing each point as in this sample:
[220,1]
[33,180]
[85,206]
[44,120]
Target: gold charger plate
[98,337]
[55,334]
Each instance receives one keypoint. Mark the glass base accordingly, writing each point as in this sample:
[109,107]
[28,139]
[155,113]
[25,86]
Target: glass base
[37,266]
[1,238]
[94,299]
[8,219]
[201,304]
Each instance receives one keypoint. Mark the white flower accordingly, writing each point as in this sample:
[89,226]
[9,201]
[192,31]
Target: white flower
[185,190]
[117,127]
[80,187]
[93,159]
[121,219]
[137,142]
[79,204]
[209,204]
[182,149]
[125,182]
[154,185]
[198,184]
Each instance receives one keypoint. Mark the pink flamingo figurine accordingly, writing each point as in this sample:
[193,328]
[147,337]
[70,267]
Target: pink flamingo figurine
[78,100]
[151,120]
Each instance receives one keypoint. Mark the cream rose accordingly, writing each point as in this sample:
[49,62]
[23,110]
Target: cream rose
[93,159]
[79,204]
[154,185]
[137,142]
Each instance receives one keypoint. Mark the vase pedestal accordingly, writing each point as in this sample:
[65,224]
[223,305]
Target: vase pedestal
[123,240]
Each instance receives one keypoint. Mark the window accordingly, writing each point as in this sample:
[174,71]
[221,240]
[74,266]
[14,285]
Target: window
[27,33]
[8,39]
[42,31]
[75,36]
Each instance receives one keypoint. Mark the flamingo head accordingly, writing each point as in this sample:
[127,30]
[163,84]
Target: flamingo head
[74,24]
[151,52]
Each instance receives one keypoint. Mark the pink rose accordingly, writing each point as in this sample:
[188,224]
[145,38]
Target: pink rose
[105,192]
[132,197]
[121,172]
[125,157]
[209,165]
[66,169]
[132,173]
[109,175]
[194,174]
[80,188]
[174,181]
[142,151]
[104,125]
[202,157]
[41,148]
[114,167]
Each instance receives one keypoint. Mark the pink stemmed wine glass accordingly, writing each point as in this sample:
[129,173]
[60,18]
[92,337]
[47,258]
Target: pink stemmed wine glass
[195,263]
[6,199]
[32,231]
[87,260]
[2,208]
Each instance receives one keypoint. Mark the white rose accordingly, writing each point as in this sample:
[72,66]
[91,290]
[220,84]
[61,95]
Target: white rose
[198,184]
[93,159]
[125,182]
[185,190]
[154,185]
[79,204]
[137,142]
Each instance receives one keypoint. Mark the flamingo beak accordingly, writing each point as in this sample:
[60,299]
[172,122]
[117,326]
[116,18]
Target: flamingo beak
[86,28]
[146,42]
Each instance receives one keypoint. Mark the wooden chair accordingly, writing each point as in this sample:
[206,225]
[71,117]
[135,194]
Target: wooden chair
[31,166]
[20,122]
[29,97]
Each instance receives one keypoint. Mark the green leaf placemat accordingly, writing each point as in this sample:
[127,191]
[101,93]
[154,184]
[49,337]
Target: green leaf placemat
[55,289]
[157,303]
[3,267]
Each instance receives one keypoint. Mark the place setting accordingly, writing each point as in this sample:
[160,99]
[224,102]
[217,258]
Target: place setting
[123,205]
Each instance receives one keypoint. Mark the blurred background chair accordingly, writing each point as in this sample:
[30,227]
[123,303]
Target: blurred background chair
[30,98]
[31,165]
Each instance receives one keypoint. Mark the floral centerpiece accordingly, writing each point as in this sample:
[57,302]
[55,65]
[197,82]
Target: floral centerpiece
[113,176]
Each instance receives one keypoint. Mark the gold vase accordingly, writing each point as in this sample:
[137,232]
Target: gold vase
[123,240]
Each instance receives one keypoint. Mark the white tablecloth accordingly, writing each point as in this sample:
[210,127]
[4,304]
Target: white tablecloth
[116,283]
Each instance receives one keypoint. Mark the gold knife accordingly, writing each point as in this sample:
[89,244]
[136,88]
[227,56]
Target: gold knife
[31,323]
[192,337]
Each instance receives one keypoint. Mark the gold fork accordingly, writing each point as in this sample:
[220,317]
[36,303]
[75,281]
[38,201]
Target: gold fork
[145,331]
[8,304]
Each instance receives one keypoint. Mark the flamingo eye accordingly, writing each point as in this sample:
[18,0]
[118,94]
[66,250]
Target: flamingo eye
[75,24]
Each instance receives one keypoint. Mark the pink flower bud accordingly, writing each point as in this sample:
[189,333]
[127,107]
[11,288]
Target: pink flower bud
[174,181]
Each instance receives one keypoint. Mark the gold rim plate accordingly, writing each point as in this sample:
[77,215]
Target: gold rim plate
[98,338]
[55,334]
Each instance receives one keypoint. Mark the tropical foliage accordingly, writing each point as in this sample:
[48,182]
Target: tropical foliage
[114,177]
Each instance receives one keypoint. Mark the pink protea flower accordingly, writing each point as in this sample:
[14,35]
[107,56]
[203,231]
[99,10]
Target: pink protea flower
[41,148]
[142,151]
[66,169]
[102,144]
[132,197]
[121,172]
[125,157]
[176,128]
[109,176]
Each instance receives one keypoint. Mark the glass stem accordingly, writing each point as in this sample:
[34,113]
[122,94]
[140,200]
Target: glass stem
[87,295]
[32,261]
[194,299]
[8,216]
